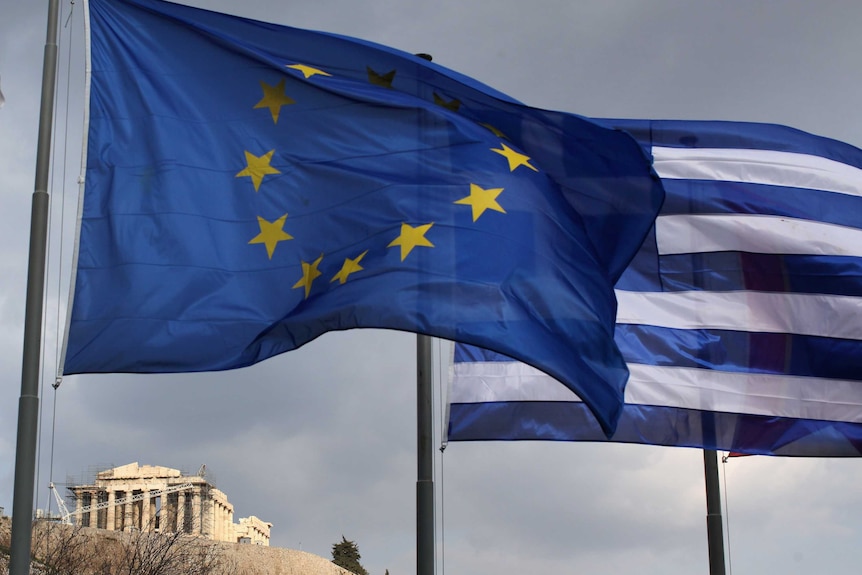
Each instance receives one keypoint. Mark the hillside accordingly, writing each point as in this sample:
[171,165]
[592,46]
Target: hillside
[89,549]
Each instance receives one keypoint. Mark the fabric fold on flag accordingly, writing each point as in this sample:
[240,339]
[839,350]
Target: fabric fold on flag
[251,186]
[740,318]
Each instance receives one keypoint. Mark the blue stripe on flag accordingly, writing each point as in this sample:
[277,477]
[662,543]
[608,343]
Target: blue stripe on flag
[711,197]
[738,318]
[655,425]
[734,271]
[725,350]
[735,135]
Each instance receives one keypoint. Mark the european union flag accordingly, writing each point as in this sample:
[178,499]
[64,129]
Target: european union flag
[252,186]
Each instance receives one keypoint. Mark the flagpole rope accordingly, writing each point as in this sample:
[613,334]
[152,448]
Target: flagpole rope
[442,368]
[59,254]
[61,242]
[435,374]
[44,305]
[726,515]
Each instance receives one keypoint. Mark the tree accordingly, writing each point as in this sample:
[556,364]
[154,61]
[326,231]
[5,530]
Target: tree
[346,554]
[149,553]
[59,549]
[74,550]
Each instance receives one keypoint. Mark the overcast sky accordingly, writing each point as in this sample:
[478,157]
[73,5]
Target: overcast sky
[321,441]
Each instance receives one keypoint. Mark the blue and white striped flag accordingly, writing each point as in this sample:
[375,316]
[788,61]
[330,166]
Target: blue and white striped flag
[740,318]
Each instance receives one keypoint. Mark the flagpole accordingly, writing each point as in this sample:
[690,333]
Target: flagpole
[714,533]
[28,404]
[425,453]
[425,545]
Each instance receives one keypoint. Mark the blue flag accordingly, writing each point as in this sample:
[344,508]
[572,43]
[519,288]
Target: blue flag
[740,318]
[252,186]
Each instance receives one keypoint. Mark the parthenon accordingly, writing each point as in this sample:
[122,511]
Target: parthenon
[153,498]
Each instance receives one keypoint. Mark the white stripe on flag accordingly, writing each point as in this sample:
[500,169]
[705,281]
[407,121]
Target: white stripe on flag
[805,314]
[683,234]
[505,381]
[676,387]
[738,392]
[758,167]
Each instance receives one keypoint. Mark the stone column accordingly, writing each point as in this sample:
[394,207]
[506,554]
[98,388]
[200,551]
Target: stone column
[228,527]
[145,510]
[222,513]
[164,515]
[128,510]
[197,520]
[79,518]
[216,521]
[153,512]
[137,509]
[181,511]
[94,513]
[117,509]
[110,521]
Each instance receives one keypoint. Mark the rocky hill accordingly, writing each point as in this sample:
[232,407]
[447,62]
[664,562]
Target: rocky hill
[79,551]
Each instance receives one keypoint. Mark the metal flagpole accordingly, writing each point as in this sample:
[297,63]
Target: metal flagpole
[714,533]
[425,451]
[28,404]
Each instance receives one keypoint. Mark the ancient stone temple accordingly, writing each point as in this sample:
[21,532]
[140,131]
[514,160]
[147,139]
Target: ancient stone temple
[152,498]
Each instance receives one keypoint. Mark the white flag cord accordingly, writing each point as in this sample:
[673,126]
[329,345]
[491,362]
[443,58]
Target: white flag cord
[55,252]
[726,515]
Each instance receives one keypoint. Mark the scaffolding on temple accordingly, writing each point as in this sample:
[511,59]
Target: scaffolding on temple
[158,499]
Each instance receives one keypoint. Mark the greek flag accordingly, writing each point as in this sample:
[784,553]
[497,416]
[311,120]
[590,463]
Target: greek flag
[740,318]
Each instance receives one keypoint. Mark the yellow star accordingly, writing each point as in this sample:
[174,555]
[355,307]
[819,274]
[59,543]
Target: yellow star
[449,105]
[274,98]
[309,274]
[494,130]
[482,200]
[350,266]
[258,167]
[384,80]
[308,71]
[271,233]
[411,237]
[515,158]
